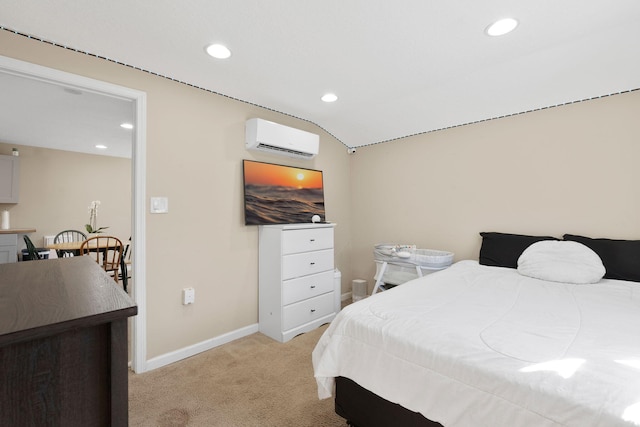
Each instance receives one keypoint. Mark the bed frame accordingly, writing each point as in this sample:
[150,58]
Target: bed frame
[362,408]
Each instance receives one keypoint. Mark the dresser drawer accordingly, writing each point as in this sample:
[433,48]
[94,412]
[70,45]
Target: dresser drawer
[313,239]
[298,265]
[306,311]
[306,287]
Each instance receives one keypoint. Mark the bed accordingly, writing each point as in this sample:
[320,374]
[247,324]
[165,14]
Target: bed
[485,344]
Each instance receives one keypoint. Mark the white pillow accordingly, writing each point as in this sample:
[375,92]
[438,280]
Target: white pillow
[561,261]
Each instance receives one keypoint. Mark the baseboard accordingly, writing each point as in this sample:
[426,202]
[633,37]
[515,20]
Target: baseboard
[192,350]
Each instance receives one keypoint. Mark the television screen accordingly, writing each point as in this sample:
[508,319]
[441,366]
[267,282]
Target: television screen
[278,194]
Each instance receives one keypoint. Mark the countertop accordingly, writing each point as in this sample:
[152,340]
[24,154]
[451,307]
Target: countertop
[18,231]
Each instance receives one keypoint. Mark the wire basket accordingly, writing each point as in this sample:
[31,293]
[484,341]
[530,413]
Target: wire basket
[409,254]
[406,262]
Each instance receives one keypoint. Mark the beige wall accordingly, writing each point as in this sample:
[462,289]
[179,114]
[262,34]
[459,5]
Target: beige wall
[57,187]
[195,147]
[569,169]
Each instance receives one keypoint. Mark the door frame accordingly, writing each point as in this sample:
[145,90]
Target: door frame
[138,181]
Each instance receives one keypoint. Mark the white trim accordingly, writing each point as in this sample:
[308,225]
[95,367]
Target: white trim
[192,350]
[50,75]
[139,290]
[57,77]
[346,296]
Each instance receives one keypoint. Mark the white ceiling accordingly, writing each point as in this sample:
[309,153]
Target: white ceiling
[41,114]
[398,67]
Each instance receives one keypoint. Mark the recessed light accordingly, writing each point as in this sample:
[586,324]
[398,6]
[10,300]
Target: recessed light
[329,97]
[101,147]
[218,51]
[126,126]
[502,27]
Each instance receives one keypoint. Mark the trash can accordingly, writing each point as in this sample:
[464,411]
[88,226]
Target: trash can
[337,290]
[358,289]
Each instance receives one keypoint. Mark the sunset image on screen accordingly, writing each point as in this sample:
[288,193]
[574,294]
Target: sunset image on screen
[282,176]
[279,194]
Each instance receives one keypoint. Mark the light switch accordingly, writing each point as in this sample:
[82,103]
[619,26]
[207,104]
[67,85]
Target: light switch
[159,205]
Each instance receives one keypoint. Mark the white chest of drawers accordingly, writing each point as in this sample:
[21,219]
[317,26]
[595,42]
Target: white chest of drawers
[296,279]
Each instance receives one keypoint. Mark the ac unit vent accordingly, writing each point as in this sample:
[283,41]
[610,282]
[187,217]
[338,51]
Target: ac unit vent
[285,151]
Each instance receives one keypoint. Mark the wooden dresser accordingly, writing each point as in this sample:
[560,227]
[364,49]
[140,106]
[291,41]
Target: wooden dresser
[296,279]
[63,344]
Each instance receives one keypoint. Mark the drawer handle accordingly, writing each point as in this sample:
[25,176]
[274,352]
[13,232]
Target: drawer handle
[313,286]
[313,310]
[312,263]
[312,240]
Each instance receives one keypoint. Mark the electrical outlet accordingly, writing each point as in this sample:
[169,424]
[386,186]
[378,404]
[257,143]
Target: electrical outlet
[188,296]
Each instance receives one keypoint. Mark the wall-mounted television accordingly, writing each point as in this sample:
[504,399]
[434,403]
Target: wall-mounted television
[279,194]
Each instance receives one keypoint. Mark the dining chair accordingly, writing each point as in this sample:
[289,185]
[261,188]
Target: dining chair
[106,251]
[67,236]
[125,265]
[33,252]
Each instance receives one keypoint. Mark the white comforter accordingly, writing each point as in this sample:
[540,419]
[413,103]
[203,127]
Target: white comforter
[485,346]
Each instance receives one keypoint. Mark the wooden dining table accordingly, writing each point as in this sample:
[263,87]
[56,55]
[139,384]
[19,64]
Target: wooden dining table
[74,247]
[92,246]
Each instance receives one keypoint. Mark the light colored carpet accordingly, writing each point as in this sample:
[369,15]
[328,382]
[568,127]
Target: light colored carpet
[253,382]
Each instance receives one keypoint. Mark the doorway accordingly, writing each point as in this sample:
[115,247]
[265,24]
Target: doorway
[75,82]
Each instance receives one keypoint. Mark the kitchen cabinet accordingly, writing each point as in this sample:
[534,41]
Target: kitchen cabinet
[9,179]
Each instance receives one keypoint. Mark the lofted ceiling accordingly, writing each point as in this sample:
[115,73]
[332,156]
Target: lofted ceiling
[399,68]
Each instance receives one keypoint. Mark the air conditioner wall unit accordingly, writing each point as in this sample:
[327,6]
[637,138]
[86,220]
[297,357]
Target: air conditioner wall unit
[263,135]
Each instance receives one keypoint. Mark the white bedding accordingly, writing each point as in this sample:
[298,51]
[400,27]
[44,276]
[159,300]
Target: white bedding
[485,346]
